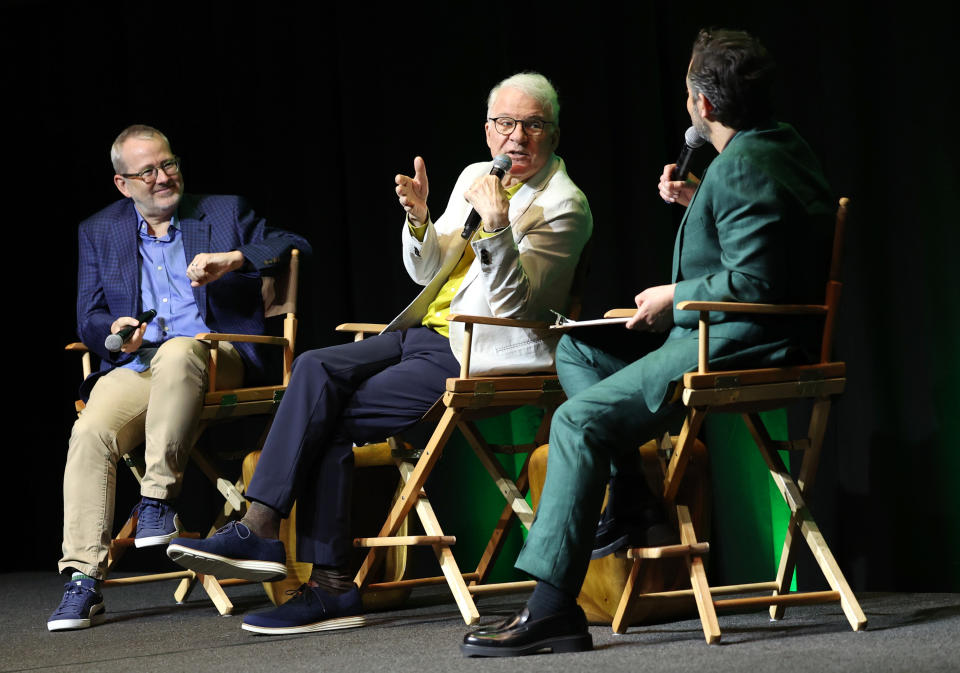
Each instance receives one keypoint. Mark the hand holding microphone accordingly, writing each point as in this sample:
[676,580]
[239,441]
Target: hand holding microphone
[673,186]
[501,164]
[115,342]
[691,141]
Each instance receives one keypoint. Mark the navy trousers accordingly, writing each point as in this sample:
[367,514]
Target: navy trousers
[354,393]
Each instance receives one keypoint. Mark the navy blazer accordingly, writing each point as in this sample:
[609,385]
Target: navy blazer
[108,277]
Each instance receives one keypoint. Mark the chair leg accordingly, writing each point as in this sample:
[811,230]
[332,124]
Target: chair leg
[184,589]
[808,472]
[506,484]
[681,454]
[216,593]
[410,493]
[448,564]
[698,579]
[627,598]
[499,535]
[808,527]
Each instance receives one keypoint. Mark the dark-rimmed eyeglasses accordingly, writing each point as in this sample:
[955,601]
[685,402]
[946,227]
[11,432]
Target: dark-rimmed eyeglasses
[170,167]
[506,125]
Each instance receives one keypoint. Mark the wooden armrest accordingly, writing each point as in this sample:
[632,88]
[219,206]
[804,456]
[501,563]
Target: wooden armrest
[743,307]
[76,346]
[503,322]
[620,313]
[243,338]
[365,327]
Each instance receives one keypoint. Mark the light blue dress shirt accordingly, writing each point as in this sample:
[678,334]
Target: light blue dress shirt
[164,286]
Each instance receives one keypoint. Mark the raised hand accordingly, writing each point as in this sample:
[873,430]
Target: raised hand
[412,193]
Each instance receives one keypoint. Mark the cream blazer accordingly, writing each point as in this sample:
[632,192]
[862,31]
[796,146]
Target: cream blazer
[523,272]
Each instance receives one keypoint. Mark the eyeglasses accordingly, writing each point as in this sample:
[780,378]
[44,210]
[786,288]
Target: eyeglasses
[170,167]
[506,125]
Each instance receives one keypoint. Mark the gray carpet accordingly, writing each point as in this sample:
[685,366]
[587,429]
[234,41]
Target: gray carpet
[146,631]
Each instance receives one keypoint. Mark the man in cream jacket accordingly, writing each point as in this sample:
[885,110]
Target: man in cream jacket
[520,264]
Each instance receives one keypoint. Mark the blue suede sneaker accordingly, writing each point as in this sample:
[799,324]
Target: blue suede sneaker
[310,609]
[157,523]
[81,607]
[233,551]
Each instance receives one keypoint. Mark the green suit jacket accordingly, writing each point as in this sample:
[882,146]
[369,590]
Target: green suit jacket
[758,229]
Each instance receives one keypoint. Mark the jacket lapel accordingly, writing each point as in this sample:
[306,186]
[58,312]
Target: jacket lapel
[519,205]
[128,259]
[196,239]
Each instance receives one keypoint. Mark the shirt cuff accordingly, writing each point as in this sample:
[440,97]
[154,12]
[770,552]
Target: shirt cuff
[418,232]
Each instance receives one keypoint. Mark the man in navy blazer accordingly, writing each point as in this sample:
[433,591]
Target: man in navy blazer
[196,260]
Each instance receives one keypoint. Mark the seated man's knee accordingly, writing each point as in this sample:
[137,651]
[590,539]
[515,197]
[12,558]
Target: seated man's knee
[91,439]
[181,351]
[568,351]
[308,361]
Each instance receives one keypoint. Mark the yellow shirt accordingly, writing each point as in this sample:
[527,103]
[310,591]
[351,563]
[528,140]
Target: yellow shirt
[439,309]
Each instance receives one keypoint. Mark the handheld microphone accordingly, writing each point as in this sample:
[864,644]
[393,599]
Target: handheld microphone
[692,140]
[501,164]
[114,342]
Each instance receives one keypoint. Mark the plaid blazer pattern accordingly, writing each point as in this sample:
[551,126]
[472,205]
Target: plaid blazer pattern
[108,276]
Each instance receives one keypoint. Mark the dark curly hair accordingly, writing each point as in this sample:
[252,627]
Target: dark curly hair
[735,73]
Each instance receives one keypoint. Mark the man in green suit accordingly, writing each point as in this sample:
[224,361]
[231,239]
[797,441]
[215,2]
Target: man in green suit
[756,229]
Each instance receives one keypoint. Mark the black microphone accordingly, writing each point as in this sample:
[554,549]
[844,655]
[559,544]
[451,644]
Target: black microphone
[692,140]
[501,164]
[115,342]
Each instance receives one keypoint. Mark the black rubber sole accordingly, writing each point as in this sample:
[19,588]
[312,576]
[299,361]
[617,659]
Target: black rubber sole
[581,642]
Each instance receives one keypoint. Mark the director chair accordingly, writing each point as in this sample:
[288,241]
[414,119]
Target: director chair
[280,299]
[466,400]
[748,392]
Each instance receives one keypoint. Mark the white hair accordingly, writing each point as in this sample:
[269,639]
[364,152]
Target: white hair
[534,85]
[134,131]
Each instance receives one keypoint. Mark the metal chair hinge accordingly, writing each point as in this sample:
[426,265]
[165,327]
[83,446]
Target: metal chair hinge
[552,386]
[483,394]
[726,382]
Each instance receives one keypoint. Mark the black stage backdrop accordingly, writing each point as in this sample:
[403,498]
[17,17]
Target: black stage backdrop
[309,110]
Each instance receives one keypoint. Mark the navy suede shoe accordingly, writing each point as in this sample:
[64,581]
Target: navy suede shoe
[233,551]
[81,607]
[309,610]
[157,523]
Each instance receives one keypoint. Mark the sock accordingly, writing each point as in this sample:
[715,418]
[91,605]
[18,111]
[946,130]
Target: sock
[262,520]
[547,600]
[331,579]
[77,576]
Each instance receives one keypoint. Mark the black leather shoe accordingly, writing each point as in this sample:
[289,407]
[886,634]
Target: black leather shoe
[617,533]
[519,635]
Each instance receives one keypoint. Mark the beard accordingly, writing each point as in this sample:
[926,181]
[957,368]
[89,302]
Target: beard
[700,124]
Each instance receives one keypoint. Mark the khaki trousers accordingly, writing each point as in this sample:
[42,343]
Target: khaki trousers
[159,407]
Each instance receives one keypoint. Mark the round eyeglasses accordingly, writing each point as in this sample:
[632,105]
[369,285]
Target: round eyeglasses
[506,125]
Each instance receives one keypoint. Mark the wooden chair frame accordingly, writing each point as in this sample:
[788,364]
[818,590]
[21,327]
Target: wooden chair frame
[466,400]
[280,295]
[748,392]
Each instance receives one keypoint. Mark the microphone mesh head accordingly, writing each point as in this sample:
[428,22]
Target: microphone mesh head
[502,162]
[113,343]
[693,139]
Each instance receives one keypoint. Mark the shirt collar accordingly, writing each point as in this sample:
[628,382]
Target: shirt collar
[142,223]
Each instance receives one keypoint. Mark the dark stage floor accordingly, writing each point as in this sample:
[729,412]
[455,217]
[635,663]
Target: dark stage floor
[146,631]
